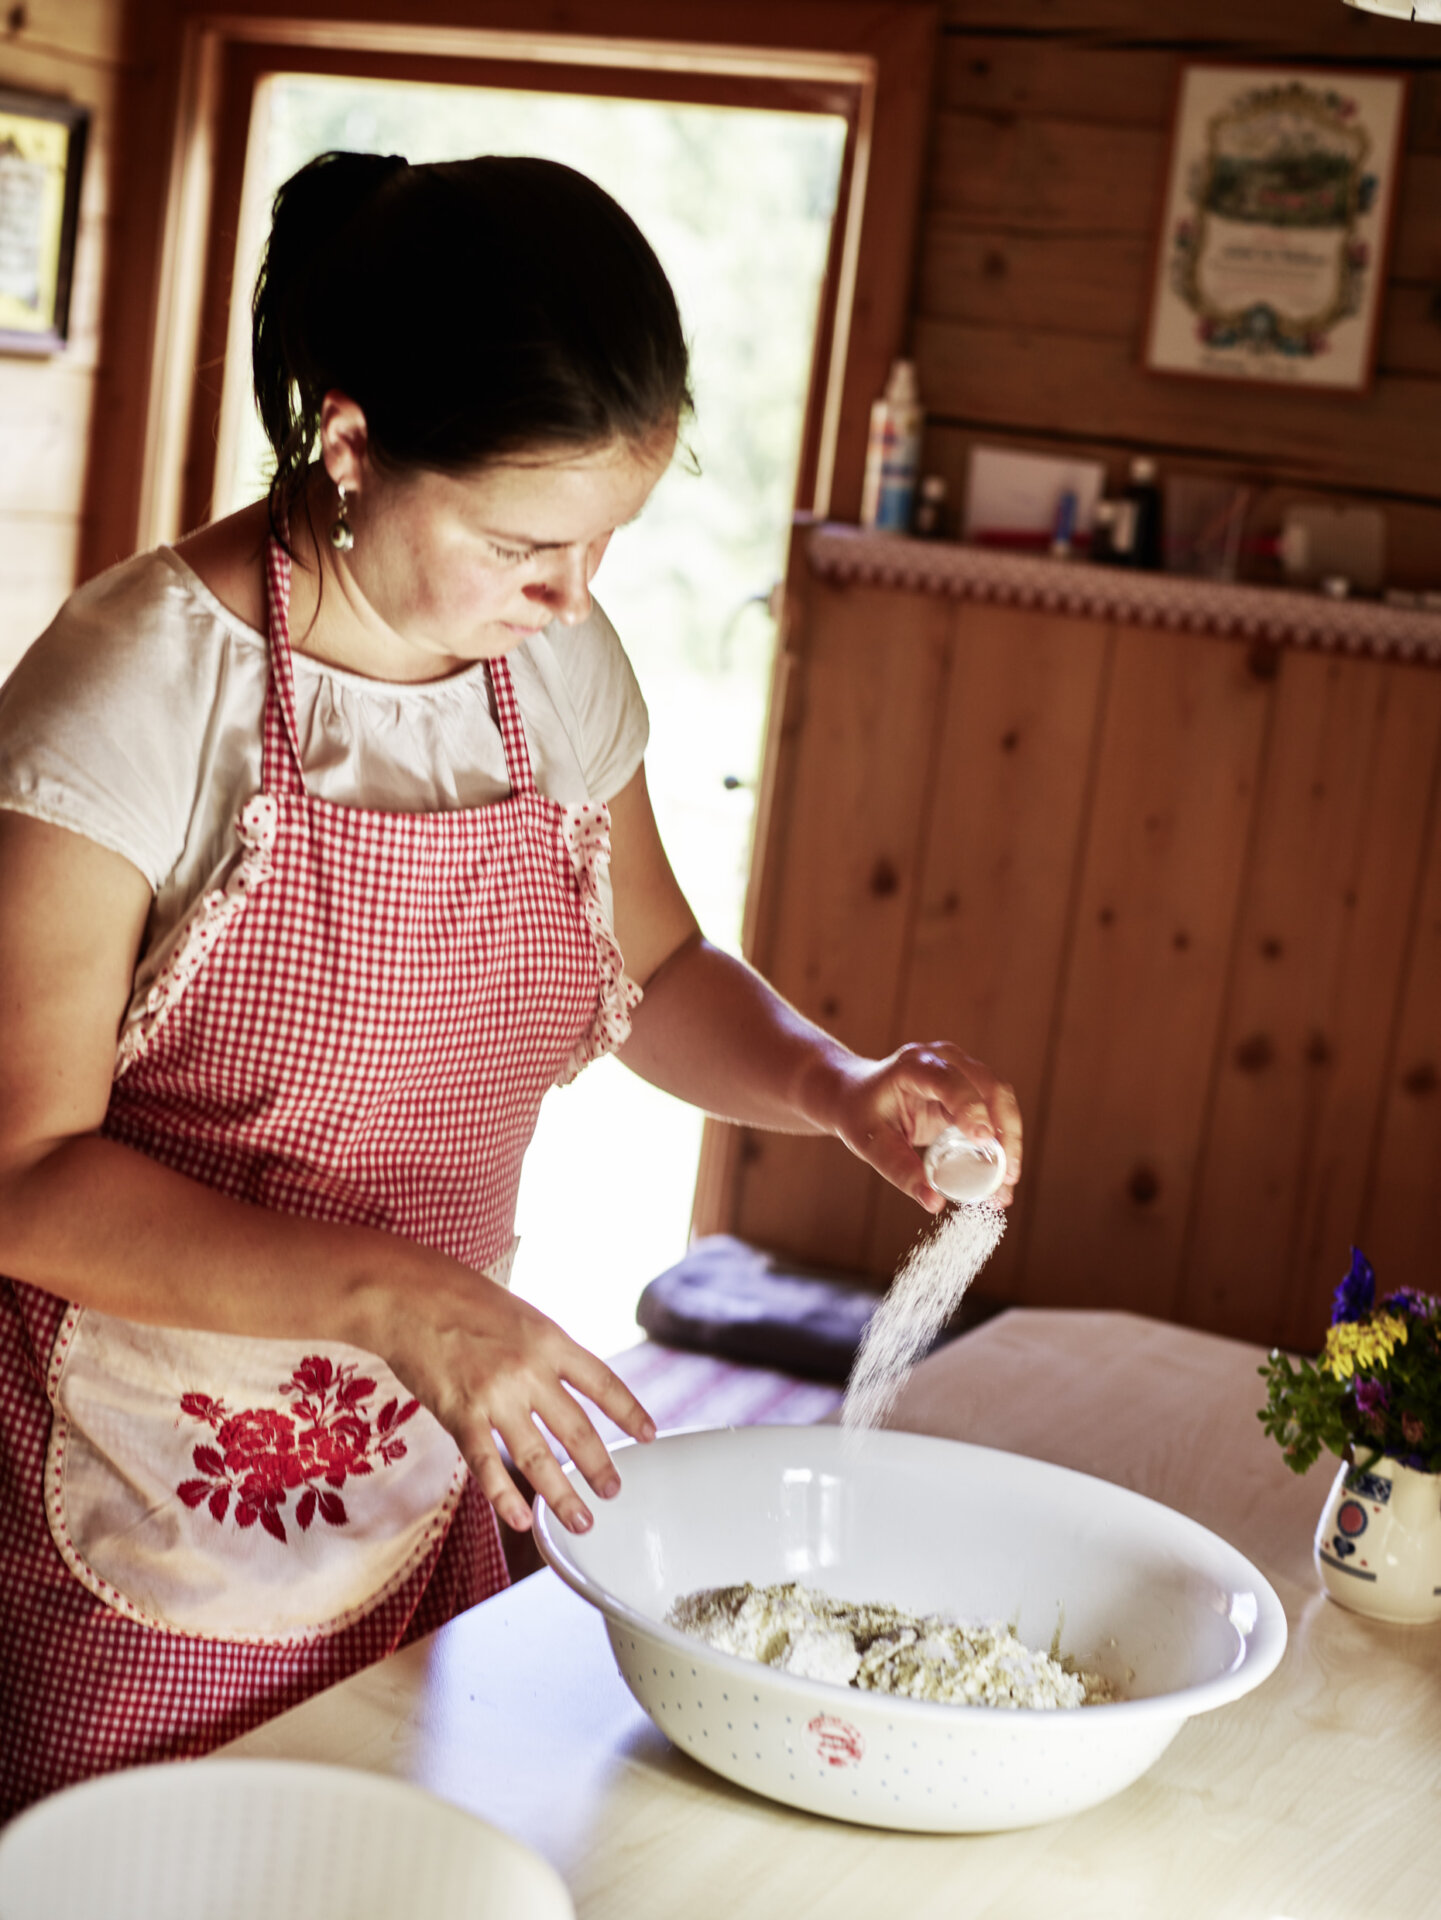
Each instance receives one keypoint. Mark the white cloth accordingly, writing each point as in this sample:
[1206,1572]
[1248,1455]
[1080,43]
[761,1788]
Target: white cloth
[135,720]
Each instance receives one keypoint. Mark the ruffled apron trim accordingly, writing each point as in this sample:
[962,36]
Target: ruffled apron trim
[586,832]
[202,931]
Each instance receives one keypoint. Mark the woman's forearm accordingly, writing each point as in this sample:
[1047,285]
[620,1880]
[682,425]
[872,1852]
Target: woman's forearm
[107,1227]
[712,1031]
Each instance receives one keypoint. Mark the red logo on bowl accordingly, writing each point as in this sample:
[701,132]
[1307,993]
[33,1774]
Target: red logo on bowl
[836,1742]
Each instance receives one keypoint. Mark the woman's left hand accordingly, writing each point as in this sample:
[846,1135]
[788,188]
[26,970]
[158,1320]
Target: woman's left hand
[888,1111]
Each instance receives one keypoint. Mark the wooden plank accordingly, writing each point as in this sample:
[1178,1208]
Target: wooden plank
[1005,826]
[1423,113]
[1066,283]
[985,376]
[1123,84]
[82,32]
[45,411]
[1143,997]
[1409,345]
[43,70]
[1319,954]
[1099,284]
[1057,79]
[1038,176]
[1417,244]
[38,557]
[844,877]
[1041,175]
[1283,28]
[1401,1227]
[144,134]
[1363,1015]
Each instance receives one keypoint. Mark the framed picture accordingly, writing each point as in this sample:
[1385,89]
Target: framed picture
[42,151]
[1271,258]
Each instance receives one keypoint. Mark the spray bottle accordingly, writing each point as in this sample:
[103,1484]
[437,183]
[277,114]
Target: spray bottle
[893,453]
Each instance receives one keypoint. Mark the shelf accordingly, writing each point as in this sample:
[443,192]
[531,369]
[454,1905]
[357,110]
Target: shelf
[1278,616]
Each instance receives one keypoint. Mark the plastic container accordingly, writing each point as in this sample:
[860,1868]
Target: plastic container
[1063,532]
[1205,526]
[235,1839]
[965,1169]
[893,454]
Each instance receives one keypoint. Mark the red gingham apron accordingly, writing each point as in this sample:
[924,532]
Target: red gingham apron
[197,1531]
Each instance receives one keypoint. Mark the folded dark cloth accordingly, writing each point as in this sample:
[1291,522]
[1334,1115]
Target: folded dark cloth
[734,1300]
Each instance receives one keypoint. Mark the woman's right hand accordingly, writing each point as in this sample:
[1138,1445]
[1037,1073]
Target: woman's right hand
[486,1363]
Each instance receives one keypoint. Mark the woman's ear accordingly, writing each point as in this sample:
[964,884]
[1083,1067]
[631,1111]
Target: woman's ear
[344,443]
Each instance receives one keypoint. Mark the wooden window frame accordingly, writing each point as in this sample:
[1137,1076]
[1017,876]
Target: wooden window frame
[873,60]
[246,65]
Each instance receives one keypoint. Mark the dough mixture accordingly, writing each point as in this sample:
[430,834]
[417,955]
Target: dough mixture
[881,1649]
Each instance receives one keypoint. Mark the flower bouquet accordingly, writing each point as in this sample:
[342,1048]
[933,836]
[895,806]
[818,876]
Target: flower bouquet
[1375,1389]
[1373,1396]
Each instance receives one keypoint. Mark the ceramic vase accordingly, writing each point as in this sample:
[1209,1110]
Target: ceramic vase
[1378,1544]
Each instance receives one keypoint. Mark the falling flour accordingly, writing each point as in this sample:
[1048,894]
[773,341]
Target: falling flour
[930,1285]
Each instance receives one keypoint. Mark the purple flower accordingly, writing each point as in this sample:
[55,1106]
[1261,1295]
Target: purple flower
[1420,1306]
[1372,1397]
[1357,1292]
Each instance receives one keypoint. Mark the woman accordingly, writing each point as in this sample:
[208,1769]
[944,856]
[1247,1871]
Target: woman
[336,815]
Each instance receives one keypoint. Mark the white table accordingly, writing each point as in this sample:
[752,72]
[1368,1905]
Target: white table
[1318,1797]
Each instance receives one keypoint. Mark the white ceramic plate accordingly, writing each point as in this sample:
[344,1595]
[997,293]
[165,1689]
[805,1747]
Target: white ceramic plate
[1172,1614]
[265,1840]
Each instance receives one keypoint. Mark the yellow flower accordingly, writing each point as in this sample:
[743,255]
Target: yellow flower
[1350,1344]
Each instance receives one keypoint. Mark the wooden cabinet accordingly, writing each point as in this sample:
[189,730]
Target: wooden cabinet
[1167,857]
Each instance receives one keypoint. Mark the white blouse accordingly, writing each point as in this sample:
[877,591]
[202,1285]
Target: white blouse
[135,720]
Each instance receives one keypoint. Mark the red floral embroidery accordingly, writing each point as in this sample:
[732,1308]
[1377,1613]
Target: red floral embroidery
[264,1455]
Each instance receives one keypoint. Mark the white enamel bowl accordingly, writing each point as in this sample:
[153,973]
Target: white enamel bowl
[1172,1614]
[265,1840]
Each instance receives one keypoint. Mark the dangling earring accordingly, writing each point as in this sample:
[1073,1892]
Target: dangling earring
[342,536]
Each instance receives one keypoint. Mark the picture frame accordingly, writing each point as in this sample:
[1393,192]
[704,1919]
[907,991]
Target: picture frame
[42,158]
[1280,196]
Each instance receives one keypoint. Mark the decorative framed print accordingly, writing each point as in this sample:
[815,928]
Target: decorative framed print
[1272,254]
[42,152]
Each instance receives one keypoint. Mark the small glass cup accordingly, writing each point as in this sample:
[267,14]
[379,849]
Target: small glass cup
[964,1169]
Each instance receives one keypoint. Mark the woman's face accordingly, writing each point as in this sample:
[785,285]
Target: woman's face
[461,568]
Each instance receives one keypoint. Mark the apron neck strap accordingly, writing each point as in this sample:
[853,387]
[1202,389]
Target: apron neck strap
[512,733]
[280,759]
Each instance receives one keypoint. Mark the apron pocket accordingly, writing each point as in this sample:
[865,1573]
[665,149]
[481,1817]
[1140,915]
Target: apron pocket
[239,1490]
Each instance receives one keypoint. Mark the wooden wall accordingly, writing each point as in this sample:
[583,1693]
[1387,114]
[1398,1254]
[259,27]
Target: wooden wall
[1042,203]
[1186,896]
[1184,892]
[71,48]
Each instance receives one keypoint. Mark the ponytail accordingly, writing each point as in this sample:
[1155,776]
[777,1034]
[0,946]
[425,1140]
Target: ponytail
[313,218]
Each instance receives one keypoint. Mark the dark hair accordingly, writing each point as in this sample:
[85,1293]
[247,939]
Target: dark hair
[472,309]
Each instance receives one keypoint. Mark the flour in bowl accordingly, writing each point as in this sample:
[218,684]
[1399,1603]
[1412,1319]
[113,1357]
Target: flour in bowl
[881,1649]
